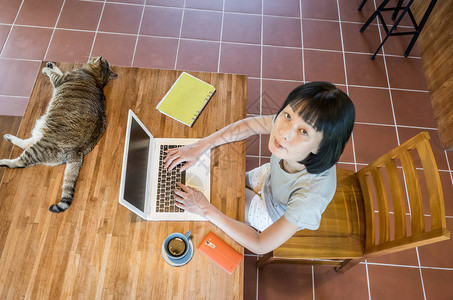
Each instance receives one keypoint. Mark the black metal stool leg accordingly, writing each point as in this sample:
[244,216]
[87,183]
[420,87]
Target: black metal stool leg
[376,12]
[395,13]
[389,33]
[361,5]
[420,27]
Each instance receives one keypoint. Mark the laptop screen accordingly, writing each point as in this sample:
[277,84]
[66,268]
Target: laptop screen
[137,164]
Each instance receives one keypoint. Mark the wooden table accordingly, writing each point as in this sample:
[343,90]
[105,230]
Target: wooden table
[98,248]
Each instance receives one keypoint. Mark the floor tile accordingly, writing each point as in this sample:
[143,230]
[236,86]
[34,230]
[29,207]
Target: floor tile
[321,35]
[19,79]
[437,283]
[39,13]
[198,56]
[4,31]
[13,106]
[275,93]
[118,49]
[355,41]
[241,28]
[371,141]
[161,21]
[447,188]
[169,3]
[70,46]
[291,280]
[253,96]
[438,254]
[406,133]
[27,43]
[127,1]
[253,145]
[204,25]
[325,10]
[86,18]
[397,45]
[413,109]
[348,152]
[250,6]
[349,12]
[406,73]
[406,258]
[121,18]
[9,11]
[240,59]
[387,282]
[153,52]
[251,163]
[282,63]
[279,31]
[287,8]
[327,282]
[361,70]
[205,4]
[372,105]
[264,144]
[333,71]
[250,272]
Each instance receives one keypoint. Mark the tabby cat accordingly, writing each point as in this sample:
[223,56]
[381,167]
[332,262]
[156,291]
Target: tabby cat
[71,126]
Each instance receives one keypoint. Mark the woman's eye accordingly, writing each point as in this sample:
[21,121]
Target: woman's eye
[304,132]
[287,116]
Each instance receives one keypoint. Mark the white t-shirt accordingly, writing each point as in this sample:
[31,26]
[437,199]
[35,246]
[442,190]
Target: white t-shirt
[301,197]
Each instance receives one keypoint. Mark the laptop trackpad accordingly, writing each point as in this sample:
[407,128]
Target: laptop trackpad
[193,180]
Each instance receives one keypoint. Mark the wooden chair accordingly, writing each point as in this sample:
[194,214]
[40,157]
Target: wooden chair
[361,222]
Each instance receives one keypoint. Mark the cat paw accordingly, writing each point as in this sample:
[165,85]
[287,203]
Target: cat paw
[7,137]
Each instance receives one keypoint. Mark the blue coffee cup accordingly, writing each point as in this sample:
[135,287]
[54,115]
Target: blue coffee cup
[176,245]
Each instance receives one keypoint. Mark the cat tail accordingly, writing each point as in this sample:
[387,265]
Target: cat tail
[71,174]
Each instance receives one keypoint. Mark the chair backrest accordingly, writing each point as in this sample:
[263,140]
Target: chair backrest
[392,177]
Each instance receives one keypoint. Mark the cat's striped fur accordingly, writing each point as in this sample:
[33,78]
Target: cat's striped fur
[71,127]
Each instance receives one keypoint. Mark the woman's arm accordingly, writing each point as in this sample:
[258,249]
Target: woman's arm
[276,234]
[234,132]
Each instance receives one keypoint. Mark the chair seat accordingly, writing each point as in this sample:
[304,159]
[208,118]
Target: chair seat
[341,232]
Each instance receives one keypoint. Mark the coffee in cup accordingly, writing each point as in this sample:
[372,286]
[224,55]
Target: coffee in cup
[176,245]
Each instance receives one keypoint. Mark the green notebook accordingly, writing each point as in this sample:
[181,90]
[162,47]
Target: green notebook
[186,99]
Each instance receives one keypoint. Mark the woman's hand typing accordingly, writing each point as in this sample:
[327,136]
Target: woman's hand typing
[188,154]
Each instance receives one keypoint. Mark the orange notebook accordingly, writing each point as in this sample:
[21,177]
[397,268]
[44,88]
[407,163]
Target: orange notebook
[220,252]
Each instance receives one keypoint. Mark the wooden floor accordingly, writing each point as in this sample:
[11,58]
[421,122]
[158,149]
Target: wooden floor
[99,249]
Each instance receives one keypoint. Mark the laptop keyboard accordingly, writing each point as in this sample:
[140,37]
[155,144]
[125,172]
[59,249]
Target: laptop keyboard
[167,183]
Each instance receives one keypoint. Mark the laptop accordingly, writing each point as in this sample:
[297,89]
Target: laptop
[147,188]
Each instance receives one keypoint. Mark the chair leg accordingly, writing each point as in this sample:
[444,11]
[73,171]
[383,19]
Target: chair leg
[389,33]
[420,27]
[361,5]
[346,265]
[376,12]
[264,260]
[395,13]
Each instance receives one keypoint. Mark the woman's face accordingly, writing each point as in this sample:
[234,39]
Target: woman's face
[292,139]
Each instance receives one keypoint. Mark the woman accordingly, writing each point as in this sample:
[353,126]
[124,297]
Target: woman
[307,137]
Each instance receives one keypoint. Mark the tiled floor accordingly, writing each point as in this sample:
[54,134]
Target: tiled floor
[279,45]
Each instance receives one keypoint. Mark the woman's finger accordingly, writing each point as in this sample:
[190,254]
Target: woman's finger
[183,187]
[180,193]
[180,205]
[173,163]
[186,166]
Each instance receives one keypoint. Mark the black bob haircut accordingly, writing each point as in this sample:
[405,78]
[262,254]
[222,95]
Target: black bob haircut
[327,109]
